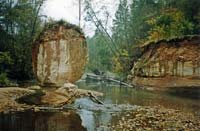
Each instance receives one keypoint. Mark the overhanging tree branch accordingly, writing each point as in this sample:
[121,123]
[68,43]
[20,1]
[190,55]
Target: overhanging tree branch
[98,23]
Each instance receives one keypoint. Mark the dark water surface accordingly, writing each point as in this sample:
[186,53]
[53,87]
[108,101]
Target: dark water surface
[90,116]
[184,99]
[41,121]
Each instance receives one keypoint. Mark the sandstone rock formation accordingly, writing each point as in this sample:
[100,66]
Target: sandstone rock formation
[59,54]
[169,63]
[9,96]
[66,95]
[13,99]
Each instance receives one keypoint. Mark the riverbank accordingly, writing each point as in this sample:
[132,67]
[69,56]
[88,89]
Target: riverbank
[17,99]
[165,82]
[8,97]
[182,101]
[145,114]
[156,118]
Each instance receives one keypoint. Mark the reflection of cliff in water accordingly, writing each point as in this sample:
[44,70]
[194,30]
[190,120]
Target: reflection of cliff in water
[41,121]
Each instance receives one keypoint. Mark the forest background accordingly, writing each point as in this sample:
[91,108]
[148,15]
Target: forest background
[136,22]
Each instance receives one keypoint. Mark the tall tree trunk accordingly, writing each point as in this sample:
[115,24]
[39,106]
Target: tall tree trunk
[79,13]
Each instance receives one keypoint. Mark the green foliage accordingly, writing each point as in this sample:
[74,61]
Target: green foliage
[169,24]
[142,21]
[134,23]
[19,25]
[100,56]
[129,30]
[5,58]
[122,63]
[191,11]
[4,79]
[5,61]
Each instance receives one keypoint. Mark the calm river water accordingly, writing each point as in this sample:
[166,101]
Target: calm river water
[89,116]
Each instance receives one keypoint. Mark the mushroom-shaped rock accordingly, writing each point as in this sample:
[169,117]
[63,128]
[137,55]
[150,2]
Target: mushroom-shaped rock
[59,54]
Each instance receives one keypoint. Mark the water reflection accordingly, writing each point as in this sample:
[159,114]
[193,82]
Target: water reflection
[115,95]
[41,121]
[96,117]
[88,119]
[185,92]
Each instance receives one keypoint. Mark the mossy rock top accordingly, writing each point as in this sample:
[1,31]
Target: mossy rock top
[170,40]
[59,29]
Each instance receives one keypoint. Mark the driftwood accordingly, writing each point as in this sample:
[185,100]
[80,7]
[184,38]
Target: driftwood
[104,78]
[95,99]
[47,109]
[120,82]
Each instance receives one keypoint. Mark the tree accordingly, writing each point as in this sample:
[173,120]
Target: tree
[130,29]
[169,24]
[191,11]
[100,56]
[92,16]
[120,25]
[139,21]
[19,25]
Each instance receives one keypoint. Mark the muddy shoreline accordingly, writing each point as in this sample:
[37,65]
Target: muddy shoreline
[18,99]
[140,118]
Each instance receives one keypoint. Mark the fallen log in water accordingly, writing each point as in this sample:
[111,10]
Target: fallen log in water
[120,82]
[95,99]
[104,78]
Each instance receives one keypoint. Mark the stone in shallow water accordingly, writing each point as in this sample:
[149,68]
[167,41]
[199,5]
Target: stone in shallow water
[69,86]
[59,55]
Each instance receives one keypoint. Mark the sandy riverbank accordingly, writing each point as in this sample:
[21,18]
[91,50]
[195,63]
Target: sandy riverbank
[13,99]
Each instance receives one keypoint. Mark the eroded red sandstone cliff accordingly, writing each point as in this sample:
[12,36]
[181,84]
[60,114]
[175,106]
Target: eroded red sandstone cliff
[59,54]
[175,62]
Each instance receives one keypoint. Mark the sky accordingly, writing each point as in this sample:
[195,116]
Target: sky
[69,11]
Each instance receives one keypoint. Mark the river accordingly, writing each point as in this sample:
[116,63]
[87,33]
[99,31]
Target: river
[84,114]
